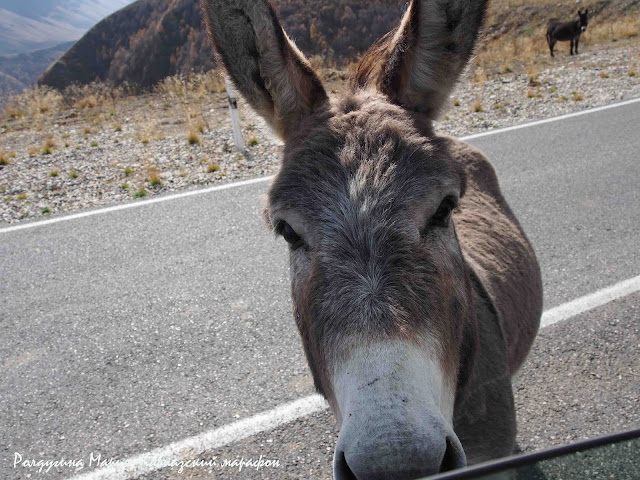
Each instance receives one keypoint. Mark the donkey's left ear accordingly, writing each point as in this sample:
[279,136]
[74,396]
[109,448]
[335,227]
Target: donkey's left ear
[270,72]
[418,64]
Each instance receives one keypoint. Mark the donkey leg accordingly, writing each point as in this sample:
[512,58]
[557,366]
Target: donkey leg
[550,42]
[576,44]
[571,52]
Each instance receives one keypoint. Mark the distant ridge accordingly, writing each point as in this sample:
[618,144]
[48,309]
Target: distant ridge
[28,25]
[20,71]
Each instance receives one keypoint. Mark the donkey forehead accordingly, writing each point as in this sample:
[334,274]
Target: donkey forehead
[364,153]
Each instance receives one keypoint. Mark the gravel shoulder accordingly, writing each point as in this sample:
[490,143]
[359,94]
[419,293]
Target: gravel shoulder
[138,147]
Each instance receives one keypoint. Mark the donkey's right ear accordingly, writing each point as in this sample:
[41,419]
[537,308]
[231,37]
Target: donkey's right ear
[270,72]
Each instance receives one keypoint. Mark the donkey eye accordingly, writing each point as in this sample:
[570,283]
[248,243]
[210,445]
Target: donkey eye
[289,234]
[443,214]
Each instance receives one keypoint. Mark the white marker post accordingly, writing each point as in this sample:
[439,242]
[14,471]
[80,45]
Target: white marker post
[235,116]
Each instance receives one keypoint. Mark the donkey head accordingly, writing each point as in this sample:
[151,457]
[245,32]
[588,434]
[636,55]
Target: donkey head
[364,199]
[583,20]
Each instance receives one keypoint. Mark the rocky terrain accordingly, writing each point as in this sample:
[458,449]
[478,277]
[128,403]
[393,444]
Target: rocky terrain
[59,158]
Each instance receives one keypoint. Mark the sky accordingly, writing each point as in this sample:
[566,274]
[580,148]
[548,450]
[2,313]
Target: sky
[31,24]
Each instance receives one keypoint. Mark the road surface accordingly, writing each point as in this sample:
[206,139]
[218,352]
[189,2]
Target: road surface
[129,330]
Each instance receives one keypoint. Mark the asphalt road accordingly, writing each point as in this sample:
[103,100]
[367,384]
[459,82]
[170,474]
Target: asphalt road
[130,330]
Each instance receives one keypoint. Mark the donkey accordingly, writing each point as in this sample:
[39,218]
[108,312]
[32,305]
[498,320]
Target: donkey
[567,31]
[415,290]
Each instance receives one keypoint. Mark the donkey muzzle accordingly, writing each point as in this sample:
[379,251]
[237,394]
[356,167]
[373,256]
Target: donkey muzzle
[385,453]
[395,410]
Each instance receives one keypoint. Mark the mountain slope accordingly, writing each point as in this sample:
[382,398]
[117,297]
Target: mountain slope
[151,39]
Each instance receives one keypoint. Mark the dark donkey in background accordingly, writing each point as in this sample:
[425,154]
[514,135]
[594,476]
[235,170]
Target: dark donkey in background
[567,31]
[414,313]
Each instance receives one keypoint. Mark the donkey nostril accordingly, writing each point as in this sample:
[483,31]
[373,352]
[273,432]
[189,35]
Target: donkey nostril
[452,459]
[341,470]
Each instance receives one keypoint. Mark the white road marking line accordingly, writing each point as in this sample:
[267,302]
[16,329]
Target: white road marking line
[190,448]
[552,119]
[589,302]
[142,203]
[243,183]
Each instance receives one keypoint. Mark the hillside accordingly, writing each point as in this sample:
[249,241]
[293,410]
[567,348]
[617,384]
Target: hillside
[18,72]
[152,39]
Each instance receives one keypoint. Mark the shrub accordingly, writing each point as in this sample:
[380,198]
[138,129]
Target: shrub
[48,146]
[154,177]
[33,102]
[4,158]
[193,138]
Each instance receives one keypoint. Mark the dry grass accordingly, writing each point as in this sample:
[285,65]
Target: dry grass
[49,145]
[194,137]
[94,95]
[5,158]
[34,102]
[40,101]
[87,102]
[213,167]
[195,86]
[146,131]
[197,125]
[624,27]
[153,176]
[197,121]
[477,105]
